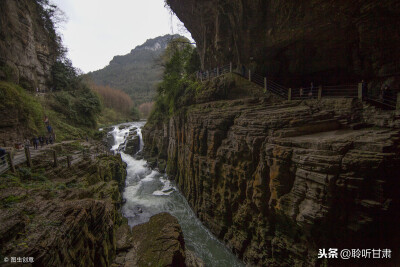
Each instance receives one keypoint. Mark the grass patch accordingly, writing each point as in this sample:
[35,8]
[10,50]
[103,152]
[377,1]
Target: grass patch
[111,117]
[15,100]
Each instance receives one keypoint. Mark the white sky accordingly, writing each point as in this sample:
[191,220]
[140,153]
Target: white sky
[98,30]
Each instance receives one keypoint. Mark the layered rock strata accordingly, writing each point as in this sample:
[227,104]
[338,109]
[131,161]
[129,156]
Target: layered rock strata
[276,181]
[28,47]
[158,242]
[62,217]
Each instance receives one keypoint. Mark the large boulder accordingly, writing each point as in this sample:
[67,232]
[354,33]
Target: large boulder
[159,242]
[132,145]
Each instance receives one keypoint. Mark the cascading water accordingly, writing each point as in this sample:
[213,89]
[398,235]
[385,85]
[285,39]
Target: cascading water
[148,192]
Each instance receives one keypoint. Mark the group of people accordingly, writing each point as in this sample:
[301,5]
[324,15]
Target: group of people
[42,140]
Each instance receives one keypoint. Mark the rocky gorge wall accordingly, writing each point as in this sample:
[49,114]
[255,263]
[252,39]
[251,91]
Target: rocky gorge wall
[28,49]
[277,180]
[297,42]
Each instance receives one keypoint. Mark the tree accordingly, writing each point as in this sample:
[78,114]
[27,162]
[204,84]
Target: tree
[179,61]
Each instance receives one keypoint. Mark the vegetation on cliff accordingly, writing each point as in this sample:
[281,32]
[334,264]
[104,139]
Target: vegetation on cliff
[63,216]
[178,86]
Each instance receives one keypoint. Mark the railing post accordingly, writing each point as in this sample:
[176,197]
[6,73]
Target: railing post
[230,66]
[265,84]
[250,75]
[69,161]
[360,96]
[28,156]
[290,94]
[398,101]
[319,92]
[55,158]
[11,162]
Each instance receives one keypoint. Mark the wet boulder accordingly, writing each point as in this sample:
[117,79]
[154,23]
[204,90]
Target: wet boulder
[132,145]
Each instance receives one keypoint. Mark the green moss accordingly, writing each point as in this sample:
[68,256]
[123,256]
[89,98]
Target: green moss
[17,100]
[8,201]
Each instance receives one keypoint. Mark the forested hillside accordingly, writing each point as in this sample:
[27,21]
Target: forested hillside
[138,72]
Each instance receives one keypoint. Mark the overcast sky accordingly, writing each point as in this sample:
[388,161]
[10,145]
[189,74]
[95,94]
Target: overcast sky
[97,30]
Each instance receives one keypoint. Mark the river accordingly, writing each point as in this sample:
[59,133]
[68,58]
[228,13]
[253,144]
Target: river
[148,192]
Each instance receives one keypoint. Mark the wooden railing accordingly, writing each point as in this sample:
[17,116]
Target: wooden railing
[8,162]
[389,99]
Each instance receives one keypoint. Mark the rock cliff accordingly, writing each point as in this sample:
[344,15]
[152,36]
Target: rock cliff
[298,41]
[62,216]
[28,44]
[277,180]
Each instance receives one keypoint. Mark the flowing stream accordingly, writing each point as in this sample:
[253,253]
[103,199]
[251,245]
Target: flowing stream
[148,192]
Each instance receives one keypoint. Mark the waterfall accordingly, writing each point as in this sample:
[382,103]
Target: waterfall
[148,192]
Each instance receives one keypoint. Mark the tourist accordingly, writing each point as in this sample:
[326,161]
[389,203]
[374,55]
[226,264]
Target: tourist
[41,140]
[27,143]
[364,89]
[46,140]
[386,94]
[301,92]
[35,142]
[46,120]
[382,92]
[3,155]
[310,94]
[51,139]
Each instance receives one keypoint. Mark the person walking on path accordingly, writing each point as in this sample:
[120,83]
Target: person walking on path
[2,155]
[36,142]
[310,94]
[41,140]
[364,89]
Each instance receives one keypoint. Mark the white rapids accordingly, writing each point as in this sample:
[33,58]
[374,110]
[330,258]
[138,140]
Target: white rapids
[148,192]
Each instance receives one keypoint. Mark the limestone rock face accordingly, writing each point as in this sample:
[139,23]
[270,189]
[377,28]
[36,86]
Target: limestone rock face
[68,219]
[158,242]
[277,181]
[27,50]
[298,42]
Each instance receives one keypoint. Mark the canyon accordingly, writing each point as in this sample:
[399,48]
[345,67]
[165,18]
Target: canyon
[277,180]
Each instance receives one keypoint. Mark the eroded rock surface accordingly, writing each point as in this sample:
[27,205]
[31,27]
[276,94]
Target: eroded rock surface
[28,48]
[63,216]
[297,42]
[158,242]
[277,181]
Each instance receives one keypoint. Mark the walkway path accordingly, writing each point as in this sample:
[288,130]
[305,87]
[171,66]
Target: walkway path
[390,100]
[20,158]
